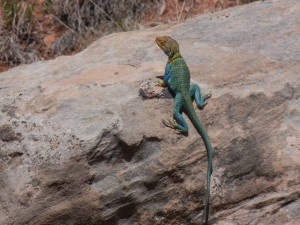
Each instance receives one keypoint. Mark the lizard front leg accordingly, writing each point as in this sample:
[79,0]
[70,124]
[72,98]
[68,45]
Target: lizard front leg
[164,82]
[178,122]
[201,100]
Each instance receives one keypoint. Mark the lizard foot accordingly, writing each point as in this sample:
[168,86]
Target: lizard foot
[207,96]
[172,124]
[161,83]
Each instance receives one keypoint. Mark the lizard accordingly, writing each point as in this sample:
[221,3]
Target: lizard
[177,79]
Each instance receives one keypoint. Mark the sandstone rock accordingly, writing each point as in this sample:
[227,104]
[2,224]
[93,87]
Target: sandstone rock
[90,150]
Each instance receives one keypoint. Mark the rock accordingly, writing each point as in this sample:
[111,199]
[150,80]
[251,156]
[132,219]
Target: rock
[91,150]
[150,90]
[7,133]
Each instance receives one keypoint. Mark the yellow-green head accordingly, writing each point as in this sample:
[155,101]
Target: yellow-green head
[168,45]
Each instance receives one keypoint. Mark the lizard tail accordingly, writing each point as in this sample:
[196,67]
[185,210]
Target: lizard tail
[203,133]
[209,172]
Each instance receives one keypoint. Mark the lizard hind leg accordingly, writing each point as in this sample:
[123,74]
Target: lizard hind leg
[201,100]
[178,121]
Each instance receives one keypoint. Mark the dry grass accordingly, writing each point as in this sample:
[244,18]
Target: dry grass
[94,18]
[75,23]
[17,32]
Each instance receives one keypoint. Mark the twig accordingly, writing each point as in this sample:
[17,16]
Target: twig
[182,7]
[63,23]
[176,5]
[162,8]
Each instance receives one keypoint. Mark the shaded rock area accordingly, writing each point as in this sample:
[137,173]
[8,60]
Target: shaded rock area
[79,145]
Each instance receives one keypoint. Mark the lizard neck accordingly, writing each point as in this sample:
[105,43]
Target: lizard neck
[177,55]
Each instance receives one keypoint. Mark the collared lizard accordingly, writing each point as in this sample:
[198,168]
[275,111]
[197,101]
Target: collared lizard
[177,78]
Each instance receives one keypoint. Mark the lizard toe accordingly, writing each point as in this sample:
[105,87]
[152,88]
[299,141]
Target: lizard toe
[170,123]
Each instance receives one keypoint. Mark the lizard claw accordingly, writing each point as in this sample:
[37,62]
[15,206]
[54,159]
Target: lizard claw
[170,123]
[207,96]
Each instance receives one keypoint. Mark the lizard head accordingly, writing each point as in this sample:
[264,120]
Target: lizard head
[168,45]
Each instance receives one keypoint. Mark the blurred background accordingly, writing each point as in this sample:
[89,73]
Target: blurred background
[32,30]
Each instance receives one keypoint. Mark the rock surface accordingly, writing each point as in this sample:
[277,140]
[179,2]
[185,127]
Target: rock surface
[78,145]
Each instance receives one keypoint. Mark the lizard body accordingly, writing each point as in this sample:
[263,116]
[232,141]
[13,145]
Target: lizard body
[177,78]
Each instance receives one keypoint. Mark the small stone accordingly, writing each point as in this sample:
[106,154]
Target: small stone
[150,90]
[7,133]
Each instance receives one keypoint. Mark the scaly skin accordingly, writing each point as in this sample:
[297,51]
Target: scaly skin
[177,78]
